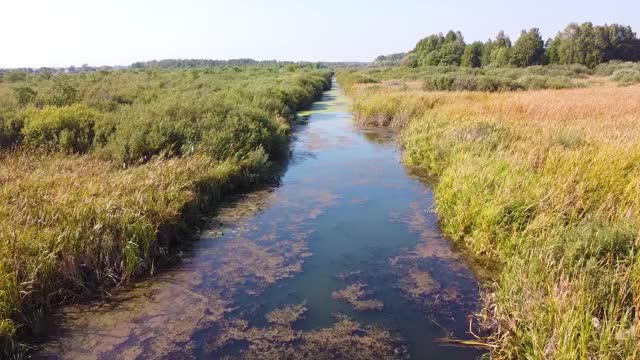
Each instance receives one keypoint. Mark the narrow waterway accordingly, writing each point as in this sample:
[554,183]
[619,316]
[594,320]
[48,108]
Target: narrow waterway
[343,259]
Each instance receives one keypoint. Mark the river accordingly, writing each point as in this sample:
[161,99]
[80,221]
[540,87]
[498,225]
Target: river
[343,259]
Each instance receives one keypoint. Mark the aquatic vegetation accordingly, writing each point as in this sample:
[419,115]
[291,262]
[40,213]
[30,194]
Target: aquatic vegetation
[546,183]
[243,258]
[347,339]
[354,294]
[432,274]
[103,174]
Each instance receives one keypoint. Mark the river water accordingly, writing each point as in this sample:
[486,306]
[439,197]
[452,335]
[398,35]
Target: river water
[343,259]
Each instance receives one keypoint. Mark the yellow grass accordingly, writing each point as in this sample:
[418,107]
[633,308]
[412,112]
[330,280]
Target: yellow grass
[548,183]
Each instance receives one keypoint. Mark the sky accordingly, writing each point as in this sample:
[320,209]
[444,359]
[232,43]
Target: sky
[119,32]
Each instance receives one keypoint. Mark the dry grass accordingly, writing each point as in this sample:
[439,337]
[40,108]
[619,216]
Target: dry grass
[548,183]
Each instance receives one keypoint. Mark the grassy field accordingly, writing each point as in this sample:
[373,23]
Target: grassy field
[547,182]
[101,174]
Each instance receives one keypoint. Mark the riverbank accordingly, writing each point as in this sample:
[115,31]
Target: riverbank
[75,223]
[546,182]
[341,257]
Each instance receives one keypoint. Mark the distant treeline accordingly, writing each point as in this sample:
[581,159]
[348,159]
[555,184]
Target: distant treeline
[583,44]
[389,60]
[196,63]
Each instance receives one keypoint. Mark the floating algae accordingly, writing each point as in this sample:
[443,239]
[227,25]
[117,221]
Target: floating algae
[354,294]
[432,273]
[346,339]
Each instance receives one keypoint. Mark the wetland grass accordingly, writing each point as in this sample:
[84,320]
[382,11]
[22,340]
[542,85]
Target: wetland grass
[103,174]
[546,182]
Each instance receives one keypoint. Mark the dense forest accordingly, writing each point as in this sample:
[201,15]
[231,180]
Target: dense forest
[583,44]
[101,171]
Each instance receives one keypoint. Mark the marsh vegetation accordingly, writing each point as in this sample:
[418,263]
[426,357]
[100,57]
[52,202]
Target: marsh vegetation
[102,173]
[545,181]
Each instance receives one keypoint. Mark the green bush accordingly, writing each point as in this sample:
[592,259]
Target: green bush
[242,132]
[607,69]
[67,128]
[10,127]
[626,76]
[24,95]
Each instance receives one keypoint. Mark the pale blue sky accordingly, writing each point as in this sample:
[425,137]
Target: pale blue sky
[119,32]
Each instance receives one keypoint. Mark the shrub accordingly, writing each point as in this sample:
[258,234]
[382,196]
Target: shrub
[626,76]
[242,132]
[494,84]
[68,128]
[63,92]
[10,127]
[24,95]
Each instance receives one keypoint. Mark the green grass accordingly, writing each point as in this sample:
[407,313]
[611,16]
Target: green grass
[545,182]
[492,79]
[103,174]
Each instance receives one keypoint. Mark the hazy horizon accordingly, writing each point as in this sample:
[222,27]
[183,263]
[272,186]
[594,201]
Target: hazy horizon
[74,32]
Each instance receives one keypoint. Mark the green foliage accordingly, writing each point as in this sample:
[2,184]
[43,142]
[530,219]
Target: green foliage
[583,44]
[491,79]
[24,95]
[498,51]
[624,73]
[63,92]
[472,56]
[10,127]
[591,45]
[528,49]
[388,60]
[15,76]
[74,219]
[68,128]
[626,76]
[439,49]
[131,116]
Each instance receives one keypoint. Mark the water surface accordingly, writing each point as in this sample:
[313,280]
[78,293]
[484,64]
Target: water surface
[343,258]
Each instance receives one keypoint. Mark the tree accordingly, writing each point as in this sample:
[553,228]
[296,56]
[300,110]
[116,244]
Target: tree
[591,45]
[553,54]
[528,49]
[486,52]
[502,40]
[498,51]
[409,60]
[472,55]
[438,49]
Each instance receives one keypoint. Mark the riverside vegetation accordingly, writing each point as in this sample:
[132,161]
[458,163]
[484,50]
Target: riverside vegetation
[545,181]
[535,148]
[102,173]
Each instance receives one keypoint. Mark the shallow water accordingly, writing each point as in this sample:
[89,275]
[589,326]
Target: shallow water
[346,214]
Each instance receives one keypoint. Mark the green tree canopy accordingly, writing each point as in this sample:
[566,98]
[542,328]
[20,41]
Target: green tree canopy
[439,49]
[472,55]
[528,49]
